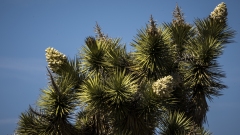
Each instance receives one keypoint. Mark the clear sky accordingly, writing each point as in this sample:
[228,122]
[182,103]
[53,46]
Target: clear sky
[28,27]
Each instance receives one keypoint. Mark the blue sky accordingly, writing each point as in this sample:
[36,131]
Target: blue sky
[28,27]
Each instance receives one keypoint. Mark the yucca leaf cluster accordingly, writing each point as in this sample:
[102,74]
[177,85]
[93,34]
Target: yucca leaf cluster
[161,87]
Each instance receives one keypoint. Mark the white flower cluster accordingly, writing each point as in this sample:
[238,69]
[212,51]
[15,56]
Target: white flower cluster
[220,12]
[163,87]
[54,58]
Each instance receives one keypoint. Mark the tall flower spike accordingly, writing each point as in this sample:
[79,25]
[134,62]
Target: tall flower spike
[163,87]
[99,33]
[219,13]
[55,59]
[178,16]
[152,27]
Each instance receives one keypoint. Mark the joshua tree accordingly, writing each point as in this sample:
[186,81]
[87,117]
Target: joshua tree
[161,87]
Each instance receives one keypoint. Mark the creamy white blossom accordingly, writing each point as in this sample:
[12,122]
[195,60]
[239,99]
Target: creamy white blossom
[163,87]
[220,12]
[55,58]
